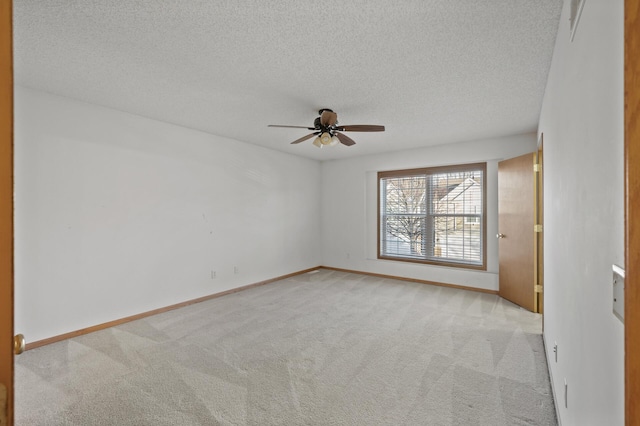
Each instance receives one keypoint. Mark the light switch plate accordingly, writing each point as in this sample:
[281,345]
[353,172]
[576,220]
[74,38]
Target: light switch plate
[618,292]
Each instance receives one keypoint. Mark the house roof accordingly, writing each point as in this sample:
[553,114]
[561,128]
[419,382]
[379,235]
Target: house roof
[460,189]
[431,71]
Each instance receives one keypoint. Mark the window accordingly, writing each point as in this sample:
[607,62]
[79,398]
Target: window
[433,215]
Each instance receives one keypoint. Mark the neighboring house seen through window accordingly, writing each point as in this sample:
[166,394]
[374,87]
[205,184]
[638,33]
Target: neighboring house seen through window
[434,215]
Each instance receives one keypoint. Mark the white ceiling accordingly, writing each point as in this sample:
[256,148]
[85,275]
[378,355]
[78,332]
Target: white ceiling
[431,71]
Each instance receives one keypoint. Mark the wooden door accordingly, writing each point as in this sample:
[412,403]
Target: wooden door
[6,214]
[516,220]
[632,212]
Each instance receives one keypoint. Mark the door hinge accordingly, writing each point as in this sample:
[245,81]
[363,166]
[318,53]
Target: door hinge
[537,167]
[537,288]
[537,228]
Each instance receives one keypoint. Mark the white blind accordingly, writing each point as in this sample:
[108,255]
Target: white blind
[433,215]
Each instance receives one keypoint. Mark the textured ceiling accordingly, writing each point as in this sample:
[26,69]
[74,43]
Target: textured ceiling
[431,71]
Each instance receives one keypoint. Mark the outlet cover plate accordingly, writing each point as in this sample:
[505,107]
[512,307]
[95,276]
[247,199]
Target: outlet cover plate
[618,292]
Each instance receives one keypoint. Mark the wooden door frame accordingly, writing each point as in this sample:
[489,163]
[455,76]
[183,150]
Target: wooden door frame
[6,203]
[632,210]
[539,211]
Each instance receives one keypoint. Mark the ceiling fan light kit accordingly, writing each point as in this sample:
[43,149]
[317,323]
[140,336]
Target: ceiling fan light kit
[326,139]
[328,131]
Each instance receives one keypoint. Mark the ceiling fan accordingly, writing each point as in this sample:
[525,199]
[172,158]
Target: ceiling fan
[327,130]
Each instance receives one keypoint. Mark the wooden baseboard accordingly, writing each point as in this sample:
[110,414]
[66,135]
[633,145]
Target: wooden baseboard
[114,323]
[413,280]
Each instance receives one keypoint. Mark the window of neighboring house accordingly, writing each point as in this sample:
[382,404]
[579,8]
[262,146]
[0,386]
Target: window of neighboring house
[434,215]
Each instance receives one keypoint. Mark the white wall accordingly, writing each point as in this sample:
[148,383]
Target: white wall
[582,122]
[117,214]
[349,208]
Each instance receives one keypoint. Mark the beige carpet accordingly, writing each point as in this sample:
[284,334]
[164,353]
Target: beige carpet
[325,348]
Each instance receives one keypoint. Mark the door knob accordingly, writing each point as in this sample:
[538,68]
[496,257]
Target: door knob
[500,236]
[18,344]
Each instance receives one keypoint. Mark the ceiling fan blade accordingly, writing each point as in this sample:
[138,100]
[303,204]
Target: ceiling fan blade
[361,128]
[328,118]
[304,138]
[345,140]
[292,127]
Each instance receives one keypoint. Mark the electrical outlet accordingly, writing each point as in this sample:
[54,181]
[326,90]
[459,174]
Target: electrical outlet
[555,350]
[213,274]
[235,270]
[348,256]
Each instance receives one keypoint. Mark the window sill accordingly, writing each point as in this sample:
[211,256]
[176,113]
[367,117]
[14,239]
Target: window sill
[455,265]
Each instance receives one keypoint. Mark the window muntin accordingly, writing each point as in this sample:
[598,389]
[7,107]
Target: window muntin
[434,215]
